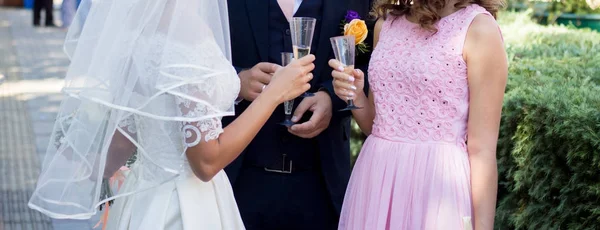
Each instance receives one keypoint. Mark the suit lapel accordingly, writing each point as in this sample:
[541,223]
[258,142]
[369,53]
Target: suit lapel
[333,13]
[258,14]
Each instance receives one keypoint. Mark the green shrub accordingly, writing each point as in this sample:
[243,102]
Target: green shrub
[549,145]
[549,155]
[538,42]
[571,7]
[541,72]
[555,8]
[356,140]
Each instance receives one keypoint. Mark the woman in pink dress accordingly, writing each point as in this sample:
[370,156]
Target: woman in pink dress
[437,76]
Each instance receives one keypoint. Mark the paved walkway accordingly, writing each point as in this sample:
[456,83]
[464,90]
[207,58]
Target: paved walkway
[33,65]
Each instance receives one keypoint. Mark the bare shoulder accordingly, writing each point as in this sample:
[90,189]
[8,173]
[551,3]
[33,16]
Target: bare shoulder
[379,25]
[484,50]
[377,30]
[483,38]
[484,28]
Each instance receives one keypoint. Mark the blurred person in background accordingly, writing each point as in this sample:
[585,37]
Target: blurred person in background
[67,12]
[38,6]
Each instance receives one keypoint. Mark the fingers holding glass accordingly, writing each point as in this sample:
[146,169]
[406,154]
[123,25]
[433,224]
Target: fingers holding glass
[288,106]
[344,89]
[302,31]
[344,50]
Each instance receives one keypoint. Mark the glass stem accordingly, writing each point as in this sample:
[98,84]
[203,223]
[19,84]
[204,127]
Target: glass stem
[350,103]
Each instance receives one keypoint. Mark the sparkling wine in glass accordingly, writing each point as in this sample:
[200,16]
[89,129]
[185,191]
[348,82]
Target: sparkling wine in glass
[286,58]
[301,51]
[302,31]
[344,50]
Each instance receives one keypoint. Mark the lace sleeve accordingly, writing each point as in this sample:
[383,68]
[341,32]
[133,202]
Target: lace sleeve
[194,68]
[209,94]
[204,130]
[128,125]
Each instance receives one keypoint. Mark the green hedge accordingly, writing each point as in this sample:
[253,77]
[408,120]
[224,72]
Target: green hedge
[579,7]
[549,156]
[549,146]
[527,40]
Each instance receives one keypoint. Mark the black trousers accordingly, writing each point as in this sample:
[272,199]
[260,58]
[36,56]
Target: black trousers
[273,201]
[47,6]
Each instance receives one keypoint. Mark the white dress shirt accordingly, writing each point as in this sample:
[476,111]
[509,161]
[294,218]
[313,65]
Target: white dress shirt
[297,4]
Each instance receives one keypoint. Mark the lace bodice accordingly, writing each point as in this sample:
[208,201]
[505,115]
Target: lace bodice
[419,80]
[210,97]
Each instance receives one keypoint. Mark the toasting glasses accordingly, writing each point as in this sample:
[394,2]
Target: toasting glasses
[302,31]
[344,50]
[286,58]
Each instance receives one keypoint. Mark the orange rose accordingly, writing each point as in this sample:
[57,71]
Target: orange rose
[358,29]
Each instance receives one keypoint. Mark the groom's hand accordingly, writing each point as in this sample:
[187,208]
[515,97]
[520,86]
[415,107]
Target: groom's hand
[321,107]
[255,79]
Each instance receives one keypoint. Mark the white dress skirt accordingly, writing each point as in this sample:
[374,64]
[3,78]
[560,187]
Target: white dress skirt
[183,203]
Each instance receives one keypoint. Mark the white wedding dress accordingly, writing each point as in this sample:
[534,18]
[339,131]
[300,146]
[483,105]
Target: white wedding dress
[151,76]
[184,202]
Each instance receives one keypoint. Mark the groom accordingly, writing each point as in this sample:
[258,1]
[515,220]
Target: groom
[291,178]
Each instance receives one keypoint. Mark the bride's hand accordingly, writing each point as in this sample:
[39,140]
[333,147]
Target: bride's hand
[289,82]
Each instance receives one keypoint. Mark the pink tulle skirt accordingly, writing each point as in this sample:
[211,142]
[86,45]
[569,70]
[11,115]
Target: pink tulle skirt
[408,186]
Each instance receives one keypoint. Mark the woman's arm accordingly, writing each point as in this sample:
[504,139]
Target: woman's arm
[364,117]
[208,158]
[487,75]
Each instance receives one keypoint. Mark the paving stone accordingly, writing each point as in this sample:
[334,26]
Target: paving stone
[33,65]
[43,127]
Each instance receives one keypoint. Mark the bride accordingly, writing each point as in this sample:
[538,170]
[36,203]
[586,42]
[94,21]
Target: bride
[148,83]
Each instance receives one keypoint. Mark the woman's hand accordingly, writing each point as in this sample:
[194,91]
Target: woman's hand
[291,81]
[347,82]
[209,157]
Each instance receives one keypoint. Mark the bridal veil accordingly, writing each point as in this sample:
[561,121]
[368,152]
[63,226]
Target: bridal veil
[134,63]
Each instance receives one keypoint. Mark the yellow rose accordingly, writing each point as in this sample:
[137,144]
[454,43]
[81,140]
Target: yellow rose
[358,29]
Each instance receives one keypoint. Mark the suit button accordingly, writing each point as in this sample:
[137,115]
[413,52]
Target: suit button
[287,32]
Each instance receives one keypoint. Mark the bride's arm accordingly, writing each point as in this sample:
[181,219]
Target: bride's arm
[120,148]
[209,157]
[119,151]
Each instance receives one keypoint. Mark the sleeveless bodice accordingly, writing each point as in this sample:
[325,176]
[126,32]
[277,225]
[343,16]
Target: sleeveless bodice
[416,159]
[419,80]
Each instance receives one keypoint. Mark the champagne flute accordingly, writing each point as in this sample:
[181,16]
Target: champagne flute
[286,58]
[344,50]
[302,31]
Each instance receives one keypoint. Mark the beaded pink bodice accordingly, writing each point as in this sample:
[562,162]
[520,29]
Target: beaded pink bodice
[419,80]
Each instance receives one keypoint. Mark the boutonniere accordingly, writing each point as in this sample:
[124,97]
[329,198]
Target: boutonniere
[353,25]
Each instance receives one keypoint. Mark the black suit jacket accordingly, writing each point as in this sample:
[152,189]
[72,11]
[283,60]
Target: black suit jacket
[249,41]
